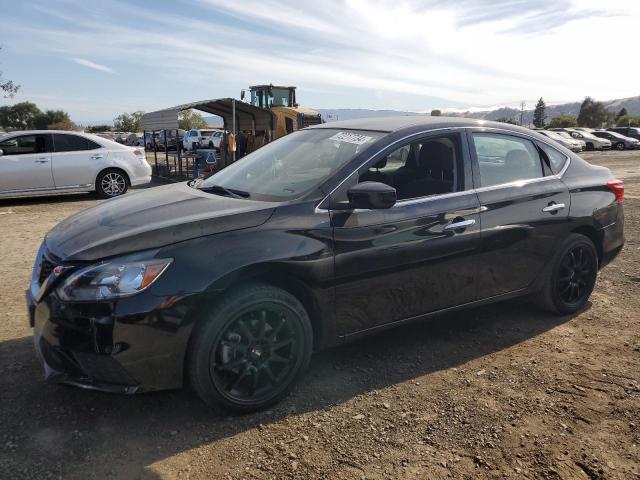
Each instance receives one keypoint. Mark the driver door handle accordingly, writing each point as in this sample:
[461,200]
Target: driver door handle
[42,160]
[553,207]
[460,225]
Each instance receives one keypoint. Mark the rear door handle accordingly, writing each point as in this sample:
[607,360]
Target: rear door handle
[42,160]
[96,157]
[553,207]
[460,225]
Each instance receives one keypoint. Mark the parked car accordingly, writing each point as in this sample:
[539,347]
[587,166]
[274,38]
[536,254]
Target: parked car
[632,132]
[592,142]
[48,161]
[134,140]
[213,141]
[196,139]
[170,138]
[327,234]
[569,142]
[618,141]
[566,135]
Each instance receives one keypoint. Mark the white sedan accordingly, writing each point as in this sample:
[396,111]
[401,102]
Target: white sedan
[48,161]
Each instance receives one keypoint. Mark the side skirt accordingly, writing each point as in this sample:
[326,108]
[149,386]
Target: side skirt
[379,328]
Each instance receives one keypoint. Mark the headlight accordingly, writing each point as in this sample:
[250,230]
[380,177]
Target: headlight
[112,280]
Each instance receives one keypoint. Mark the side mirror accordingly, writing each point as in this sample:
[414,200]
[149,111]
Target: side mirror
[372,195]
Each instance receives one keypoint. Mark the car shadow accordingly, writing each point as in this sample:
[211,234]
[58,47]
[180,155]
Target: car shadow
[84,429]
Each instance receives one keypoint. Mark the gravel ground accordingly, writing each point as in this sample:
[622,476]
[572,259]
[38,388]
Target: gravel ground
[503,391]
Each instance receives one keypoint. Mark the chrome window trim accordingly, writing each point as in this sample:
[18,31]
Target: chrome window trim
[411,201]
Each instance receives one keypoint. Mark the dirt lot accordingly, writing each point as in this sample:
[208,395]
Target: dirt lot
[497,392]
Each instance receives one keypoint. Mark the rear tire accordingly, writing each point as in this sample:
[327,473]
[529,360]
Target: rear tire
[589,147]
[571,276]
[112,182]
[250,350]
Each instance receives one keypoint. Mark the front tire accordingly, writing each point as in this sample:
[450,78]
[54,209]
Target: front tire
[250,350]
[112,183]
[590,147]
[619,146]
[571,277]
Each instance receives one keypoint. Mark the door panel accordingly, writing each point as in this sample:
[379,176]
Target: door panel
[73,163]
[401,262]
[518,237]
[521,219]
[26,171]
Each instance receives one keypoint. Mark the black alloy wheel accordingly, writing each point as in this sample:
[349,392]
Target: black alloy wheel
[256,354]
[571,277]
[252,350]
[577,275]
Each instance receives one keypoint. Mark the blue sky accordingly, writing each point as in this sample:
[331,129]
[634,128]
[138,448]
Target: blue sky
[96,59]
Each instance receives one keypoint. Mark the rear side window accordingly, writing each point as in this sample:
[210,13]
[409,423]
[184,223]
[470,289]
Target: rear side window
[25,145]
[72,143]
[505,159]
[555,159]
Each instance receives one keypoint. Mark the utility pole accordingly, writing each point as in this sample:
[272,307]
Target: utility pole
[522,105]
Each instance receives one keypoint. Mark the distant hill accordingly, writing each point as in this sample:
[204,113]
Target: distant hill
[632,104]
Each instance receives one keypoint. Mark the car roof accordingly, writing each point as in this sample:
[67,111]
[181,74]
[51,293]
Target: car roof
[394,124]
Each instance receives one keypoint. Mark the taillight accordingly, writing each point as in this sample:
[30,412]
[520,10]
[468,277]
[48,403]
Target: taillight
[617,187]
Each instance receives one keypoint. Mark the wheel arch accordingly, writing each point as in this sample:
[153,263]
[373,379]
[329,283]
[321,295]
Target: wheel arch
[596,236]
[282,276]
[113,167]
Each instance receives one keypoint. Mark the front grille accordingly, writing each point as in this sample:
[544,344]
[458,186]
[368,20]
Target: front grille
[46,267]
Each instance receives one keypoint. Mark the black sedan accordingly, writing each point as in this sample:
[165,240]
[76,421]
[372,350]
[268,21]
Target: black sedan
[332,232]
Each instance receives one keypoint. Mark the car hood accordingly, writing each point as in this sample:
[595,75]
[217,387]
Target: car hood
[150,219]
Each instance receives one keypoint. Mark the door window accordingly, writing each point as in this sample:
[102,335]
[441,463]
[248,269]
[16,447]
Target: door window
[72,143]
[420,169]
[505,159]
[24,145]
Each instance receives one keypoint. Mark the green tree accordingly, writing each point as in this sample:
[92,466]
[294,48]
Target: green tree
[190,119]
[621,113]
[128,122]
[563,121]
[506,120]
[539,115]
[436,113]
[592,114]
[45,120]
[8,87]
[20,116]
[628,121]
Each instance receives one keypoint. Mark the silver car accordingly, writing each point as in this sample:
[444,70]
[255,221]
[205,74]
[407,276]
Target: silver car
[566,141]
[49,161]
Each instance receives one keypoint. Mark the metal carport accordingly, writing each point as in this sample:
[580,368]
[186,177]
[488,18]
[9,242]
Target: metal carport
[235,114]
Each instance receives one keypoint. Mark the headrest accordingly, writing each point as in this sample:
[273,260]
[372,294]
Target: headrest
[518,158]
[380,163]
[435,156]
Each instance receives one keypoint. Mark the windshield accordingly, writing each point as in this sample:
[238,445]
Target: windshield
[292,165]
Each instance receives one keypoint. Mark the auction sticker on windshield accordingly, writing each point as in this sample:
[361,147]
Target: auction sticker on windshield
[350,137]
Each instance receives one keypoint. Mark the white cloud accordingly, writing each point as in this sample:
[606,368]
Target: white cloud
[93,65]
[407,54]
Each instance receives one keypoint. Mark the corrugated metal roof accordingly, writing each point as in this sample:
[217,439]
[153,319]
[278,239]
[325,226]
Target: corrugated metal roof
[167,119]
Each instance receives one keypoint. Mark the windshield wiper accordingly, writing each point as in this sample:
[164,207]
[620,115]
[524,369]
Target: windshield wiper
[227,191]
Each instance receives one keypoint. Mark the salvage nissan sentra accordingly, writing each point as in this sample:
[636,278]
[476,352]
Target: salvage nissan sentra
[338,230]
